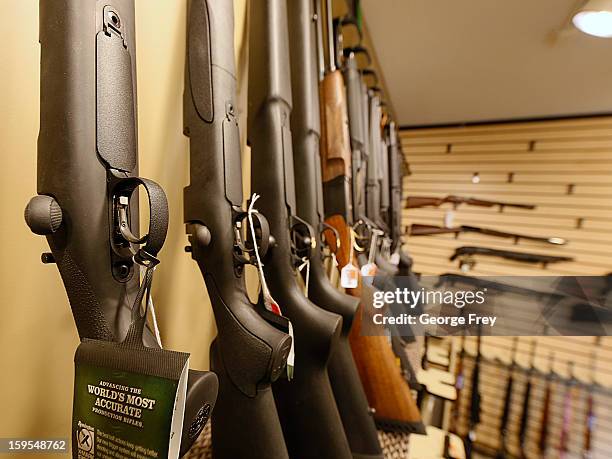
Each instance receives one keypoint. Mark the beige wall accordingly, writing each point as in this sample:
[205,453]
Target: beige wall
[37,333]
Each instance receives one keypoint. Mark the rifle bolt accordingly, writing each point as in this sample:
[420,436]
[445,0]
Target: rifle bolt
[47,258]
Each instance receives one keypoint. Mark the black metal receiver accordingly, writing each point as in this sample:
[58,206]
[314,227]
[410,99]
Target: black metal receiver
[305,126]
[248,352]
[311,423]
[88,177]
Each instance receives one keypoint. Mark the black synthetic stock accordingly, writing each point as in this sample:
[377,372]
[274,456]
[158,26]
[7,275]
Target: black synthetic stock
[305,126]
[248,353]
[395,188]
[87,145]
[310,419]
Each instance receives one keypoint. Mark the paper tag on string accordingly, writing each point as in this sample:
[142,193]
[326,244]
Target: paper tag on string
[269,302]
[349,276]
[369,269]
[394,259]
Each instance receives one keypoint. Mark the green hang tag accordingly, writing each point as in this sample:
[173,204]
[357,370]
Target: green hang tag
[129,401]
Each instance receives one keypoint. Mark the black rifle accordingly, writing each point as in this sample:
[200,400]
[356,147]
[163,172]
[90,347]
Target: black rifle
[507,254]
[524,421]
[87,175]
[474,417]
[248,353]
[503,426]
[426,230]
[305,126]
[590,419]
[395,188]
[311,423]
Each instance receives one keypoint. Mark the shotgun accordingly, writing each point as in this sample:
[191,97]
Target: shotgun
[507,254]
[591,418]
[413,202]
[87,203]
[426,230]
[474,417]
[502,453]
[305,126]
[386,388]
[307,409]
[249,353]
[543,437]
[568,413]
[524,421]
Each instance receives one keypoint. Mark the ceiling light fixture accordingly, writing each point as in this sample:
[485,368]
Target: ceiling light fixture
[595,18]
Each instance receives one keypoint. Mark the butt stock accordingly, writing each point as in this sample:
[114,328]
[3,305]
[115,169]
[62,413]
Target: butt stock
[311,423]
[248,352]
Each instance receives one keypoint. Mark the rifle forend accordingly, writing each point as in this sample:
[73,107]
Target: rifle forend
[87,172]
[248,352]
[311,423]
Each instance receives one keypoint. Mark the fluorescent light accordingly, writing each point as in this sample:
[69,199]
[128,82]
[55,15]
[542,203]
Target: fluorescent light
[595,18]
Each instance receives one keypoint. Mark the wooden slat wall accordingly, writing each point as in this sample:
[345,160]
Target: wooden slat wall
[564,167]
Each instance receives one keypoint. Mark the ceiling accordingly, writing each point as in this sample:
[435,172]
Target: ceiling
[455,61]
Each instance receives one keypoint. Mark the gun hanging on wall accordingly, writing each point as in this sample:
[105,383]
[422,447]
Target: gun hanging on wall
[87,203]
[525,414]
[249,352]
[426,230]
[413,202]
[546,407]
[305,126]
[524,257]
[309,415]
[507,406]
[385,386]
[474,409]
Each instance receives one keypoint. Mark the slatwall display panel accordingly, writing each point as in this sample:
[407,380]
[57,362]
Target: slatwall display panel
[564,167]
[589,375]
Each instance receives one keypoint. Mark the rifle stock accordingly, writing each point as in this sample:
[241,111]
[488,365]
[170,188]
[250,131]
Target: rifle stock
[305,125]
[311,423]
[248,353]
[87,165]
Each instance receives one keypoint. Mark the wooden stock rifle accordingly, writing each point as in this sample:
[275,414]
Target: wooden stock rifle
[386,388]
[413,202]
[417,229]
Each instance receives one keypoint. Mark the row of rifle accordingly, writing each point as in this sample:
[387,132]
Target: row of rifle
[466,254]
[543,415]
[295,376]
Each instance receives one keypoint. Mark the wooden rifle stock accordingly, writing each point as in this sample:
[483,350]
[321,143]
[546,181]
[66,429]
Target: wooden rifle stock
[386,388]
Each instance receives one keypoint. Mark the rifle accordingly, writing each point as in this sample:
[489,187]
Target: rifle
[524,421]
[589,425]
[566,425]
[249,353]
[459,384]
[395,190]
[309,415]
[413,202]
[507,254]
[305,126]
[426,230]
[474,418]
[87,206]
[386,388]
[543,438]
[503,427]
